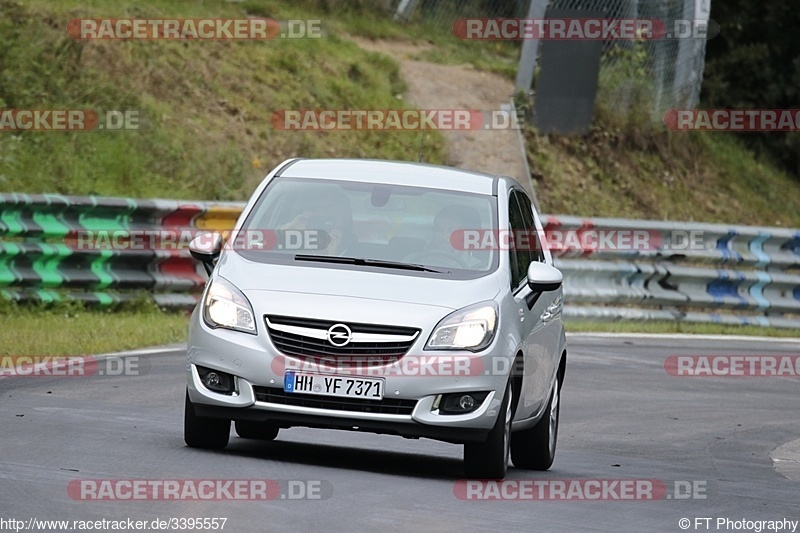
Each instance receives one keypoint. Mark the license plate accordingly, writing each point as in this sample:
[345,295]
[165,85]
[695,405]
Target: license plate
[340,386]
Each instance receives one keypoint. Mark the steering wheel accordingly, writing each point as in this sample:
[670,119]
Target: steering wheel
[441,258]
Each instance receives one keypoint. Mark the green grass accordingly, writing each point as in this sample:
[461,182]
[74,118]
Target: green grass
[69,329]
[498,57]
[576,326]
[74,331]
[205,107]
[629,167]
[443,47]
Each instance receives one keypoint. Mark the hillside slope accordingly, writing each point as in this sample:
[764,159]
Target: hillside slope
[206,111]
[205,107]
[633,169]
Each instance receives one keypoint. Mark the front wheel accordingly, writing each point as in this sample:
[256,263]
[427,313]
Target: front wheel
[200,432]
[489,460]
[535,448]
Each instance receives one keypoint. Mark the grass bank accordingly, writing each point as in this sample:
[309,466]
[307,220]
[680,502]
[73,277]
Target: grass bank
[205,107]
[69,329]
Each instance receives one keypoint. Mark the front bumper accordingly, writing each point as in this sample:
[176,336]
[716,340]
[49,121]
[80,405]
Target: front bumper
[258,365]
[405,428]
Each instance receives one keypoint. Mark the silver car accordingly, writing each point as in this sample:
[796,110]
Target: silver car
[388,297]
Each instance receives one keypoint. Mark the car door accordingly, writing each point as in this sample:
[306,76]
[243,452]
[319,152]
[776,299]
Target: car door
[540,310]
[553,318]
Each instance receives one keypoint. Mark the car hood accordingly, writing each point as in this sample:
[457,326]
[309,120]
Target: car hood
[387,285]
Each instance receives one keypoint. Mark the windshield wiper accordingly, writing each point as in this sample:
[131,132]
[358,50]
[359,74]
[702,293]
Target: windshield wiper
[403,266]
[360,261]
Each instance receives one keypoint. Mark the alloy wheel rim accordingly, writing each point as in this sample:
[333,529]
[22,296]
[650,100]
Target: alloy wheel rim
[553,419]
[507,433]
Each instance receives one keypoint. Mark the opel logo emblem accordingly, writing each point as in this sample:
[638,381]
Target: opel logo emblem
[339,334]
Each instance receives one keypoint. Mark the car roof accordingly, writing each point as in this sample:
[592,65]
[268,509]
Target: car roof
[393,173]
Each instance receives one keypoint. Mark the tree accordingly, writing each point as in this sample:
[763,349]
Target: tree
[755,64]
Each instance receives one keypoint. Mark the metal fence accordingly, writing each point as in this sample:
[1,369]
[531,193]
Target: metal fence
[654,74]
[658,73]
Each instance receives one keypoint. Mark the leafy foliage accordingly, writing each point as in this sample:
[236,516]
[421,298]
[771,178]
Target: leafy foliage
[755,64]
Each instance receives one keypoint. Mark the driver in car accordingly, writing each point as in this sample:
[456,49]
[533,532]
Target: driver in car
[332,216]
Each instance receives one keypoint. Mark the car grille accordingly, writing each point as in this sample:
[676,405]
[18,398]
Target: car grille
[387,406]
[372,344]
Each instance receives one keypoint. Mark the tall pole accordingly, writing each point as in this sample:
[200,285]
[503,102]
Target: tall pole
[530,49]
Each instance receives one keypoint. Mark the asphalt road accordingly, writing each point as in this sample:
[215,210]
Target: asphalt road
[623,417]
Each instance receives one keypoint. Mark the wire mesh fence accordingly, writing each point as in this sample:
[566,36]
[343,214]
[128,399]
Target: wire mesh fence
[650,74]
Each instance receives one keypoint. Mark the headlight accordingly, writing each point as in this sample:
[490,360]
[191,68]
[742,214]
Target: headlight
[226,307]
[471,328]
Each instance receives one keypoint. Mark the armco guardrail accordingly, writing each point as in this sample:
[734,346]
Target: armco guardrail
[614,269]
[136,244]
[650,270]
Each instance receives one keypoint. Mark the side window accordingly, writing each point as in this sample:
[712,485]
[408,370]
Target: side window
[520,259]
[532,237]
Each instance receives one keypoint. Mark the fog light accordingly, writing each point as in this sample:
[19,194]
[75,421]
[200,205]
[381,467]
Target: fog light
[466,402]
[216,381]
[212,380]
[460,403]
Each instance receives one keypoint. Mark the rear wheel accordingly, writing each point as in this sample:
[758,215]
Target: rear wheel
[535,448]
[256,430]
[200,432]
[489,460]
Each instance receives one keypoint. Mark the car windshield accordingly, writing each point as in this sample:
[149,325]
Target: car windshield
[316,221]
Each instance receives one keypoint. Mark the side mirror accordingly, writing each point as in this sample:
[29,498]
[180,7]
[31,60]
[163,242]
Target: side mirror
[544,278]
[206,248]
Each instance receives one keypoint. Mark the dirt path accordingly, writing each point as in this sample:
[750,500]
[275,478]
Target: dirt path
[432,86]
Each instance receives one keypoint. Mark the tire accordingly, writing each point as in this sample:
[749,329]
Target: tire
[489,459]
[535,448]
[206,433]
[247,429]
